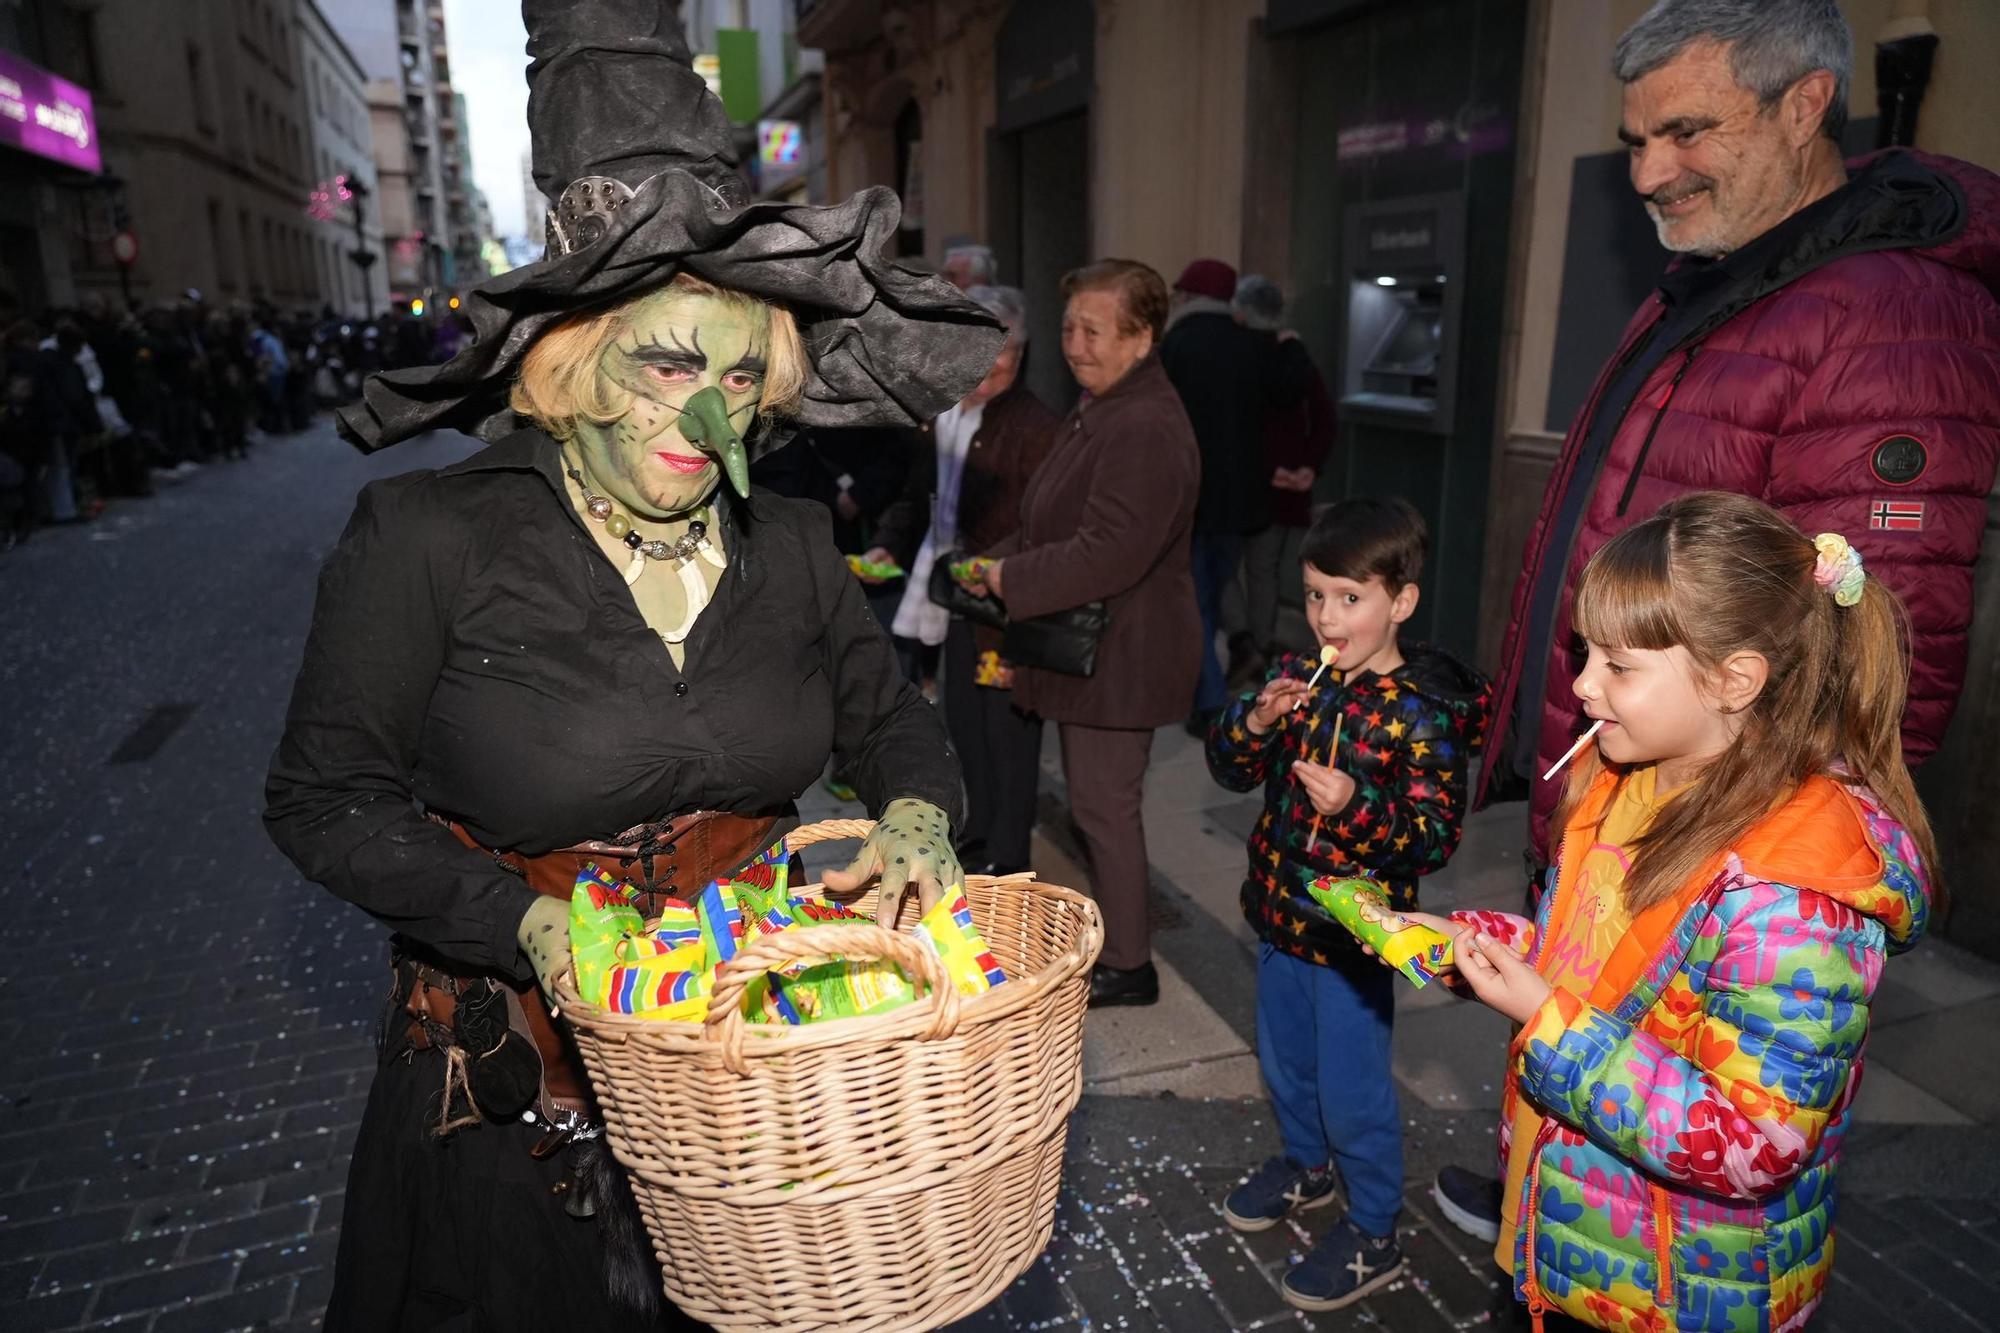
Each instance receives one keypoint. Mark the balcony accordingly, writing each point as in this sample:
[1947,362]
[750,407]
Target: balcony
[837,25]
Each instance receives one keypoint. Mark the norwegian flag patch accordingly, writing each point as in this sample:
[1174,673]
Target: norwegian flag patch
[1896,516]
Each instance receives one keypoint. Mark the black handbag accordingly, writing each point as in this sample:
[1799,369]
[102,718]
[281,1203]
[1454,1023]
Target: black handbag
[1062,641]
[948,593]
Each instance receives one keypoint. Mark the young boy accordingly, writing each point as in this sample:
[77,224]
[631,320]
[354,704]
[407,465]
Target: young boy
[1384,803]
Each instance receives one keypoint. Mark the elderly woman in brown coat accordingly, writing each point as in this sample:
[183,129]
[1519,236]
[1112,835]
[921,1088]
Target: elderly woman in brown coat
[1107,519]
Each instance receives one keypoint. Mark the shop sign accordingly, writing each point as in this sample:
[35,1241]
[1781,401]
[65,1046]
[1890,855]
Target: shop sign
[1400,239]
[47,116]
[780,143]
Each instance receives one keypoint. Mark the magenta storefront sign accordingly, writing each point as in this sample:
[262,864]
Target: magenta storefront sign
[47,116]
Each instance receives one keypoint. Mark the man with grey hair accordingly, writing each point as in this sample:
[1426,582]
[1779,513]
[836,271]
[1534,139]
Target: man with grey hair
[964,496]
[967,266]
[1827,340]
[1297,439]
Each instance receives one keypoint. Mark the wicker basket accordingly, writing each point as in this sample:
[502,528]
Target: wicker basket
[894,1172]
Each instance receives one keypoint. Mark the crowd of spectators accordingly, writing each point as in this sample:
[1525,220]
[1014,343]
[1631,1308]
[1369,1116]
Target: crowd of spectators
[101,404]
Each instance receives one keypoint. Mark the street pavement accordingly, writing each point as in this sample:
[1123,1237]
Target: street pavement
[188,1028]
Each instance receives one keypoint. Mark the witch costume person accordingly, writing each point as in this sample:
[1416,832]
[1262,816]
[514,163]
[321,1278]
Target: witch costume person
[592,641]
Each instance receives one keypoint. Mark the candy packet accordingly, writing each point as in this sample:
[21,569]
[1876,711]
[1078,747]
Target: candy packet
[875,569]
[602,912]
[972,570]
[948,929]
[1418,952]
[665,969]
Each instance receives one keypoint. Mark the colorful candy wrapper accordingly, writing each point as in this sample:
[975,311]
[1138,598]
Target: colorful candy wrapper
[875,569]
[665,970]
[602,912]
[672,986]
[971,571]
[948,929]
[1418,952]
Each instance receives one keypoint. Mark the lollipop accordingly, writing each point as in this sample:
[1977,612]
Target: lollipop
[1327,657]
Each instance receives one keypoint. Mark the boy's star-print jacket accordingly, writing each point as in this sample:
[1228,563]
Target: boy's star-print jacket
[1407,739]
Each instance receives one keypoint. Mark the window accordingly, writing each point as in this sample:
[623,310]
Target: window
[204,114]
[224,278]
[251,271]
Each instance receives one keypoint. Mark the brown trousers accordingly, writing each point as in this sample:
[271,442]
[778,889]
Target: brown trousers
[1106,771]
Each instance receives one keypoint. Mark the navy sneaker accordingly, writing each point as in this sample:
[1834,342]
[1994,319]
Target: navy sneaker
[1278,1189]
[1469,1201]
[1345,1266]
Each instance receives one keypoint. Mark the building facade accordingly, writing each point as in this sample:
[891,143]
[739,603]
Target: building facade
[468,220]
[56,203]
[209,145]
[401,47]
[347,234]
[1436,184]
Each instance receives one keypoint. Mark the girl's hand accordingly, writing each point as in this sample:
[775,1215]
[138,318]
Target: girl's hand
[1329,789]
[1274,701]
[1500,977]
[993,578]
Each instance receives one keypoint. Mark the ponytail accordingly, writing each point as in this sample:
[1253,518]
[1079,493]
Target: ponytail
[1873,674]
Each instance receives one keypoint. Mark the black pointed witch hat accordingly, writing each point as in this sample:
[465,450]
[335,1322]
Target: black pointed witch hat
[634,149]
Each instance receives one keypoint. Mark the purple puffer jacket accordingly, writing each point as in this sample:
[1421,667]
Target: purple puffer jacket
[1856,388]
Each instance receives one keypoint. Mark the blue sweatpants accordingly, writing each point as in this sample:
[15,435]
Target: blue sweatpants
[1323,1046]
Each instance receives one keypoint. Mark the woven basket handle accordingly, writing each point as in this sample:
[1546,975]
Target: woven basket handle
[849,939]
[828,830]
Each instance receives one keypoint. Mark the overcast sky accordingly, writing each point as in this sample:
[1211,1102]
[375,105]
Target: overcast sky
[489,62]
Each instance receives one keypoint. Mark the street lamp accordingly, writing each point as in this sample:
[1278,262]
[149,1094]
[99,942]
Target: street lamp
[364,258]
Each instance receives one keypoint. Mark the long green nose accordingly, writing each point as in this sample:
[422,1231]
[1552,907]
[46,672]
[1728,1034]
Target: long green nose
[705,421]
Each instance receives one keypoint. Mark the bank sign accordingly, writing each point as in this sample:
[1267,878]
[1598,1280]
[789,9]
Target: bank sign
[47,116]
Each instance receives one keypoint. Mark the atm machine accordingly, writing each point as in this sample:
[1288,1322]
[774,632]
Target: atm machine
[1405,286]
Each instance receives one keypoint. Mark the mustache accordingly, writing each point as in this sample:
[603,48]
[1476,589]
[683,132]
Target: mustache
[1673,192]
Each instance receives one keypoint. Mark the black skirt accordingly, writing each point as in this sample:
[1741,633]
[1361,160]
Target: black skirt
[463,1234]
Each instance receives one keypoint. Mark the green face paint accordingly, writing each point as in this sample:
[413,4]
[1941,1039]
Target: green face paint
[705,421]
[694,368]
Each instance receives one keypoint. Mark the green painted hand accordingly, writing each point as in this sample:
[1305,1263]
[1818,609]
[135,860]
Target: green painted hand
[910,847]
[544,937]
[705,421]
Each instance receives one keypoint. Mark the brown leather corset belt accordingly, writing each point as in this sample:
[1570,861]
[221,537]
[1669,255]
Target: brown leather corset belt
[673,858]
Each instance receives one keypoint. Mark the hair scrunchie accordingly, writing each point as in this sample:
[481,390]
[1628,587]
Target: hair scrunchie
[1838,569]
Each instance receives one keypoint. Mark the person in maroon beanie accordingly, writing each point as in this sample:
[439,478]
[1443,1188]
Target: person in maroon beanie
[1297,440]
[1230,378]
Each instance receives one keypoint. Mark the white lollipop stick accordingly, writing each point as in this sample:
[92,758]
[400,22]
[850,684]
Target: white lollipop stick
[1327,657]
[1570,753]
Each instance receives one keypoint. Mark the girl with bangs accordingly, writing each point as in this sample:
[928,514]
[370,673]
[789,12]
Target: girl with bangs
[1741,849]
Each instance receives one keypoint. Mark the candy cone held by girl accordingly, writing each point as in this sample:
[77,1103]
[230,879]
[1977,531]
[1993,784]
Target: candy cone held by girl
[1741,851]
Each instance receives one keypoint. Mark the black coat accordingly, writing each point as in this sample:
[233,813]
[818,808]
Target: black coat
[472,651]
[871,463]
[1229,379]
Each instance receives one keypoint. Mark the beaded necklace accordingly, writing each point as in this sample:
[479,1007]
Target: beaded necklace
[683,551]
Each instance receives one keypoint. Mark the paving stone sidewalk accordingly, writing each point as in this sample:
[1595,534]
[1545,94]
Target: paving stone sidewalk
[187,1029]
